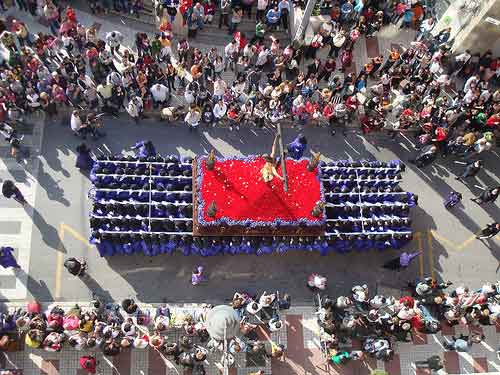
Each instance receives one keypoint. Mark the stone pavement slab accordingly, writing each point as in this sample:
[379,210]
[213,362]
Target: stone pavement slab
[16,222]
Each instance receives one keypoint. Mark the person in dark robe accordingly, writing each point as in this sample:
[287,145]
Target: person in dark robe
[9,190]
[7,258]
[75,267]
[84,161]
[144,149]
[297,147]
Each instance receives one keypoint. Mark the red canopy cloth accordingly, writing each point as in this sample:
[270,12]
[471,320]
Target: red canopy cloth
[243,198]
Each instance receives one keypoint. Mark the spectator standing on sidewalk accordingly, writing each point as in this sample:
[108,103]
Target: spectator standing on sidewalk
[51,14]
[193,117]
[284,9]
[273,17]
[113,40]
[159,93]
[261,9]
[230,54]
[225,8]
[219,111]
[135,108]
[236,17]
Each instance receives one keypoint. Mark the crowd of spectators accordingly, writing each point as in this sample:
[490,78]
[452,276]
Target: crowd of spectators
[379,321]
[451,99]
[180,335]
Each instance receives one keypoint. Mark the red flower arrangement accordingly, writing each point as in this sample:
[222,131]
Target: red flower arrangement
[243,198]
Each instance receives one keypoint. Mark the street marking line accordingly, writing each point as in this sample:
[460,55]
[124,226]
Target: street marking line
[75,234]
[452,244]
[431,254]
[59,262]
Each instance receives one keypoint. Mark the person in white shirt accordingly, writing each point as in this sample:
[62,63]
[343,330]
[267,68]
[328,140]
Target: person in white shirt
[33,99]
[220,87]
[113,40]
[425,27]
[105,92]
[230,53]
[471,82]
[76,123]
[68,43]
[159,92]
[218,66]
[134,108]
[262,57]
[193,118]
[247,110]
[114,78]
[219,111]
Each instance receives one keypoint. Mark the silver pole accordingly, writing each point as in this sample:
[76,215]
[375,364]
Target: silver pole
[299,34]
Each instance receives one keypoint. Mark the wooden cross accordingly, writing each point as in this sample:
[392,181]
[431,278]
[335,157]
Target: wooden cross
[282,156]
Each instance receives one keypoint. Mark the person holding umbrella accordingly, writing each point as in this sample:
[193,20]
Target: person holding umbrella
[9,190]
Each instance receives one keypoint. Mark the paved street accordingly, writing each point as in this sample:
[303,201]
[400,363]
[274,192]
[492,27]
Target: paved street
[61,211]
